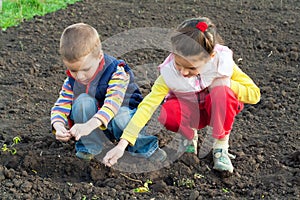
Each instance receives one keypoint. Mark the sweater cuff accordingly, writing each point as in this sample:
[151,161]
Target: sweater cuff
[104,115]
[56,120]
[234,86]
[131,133]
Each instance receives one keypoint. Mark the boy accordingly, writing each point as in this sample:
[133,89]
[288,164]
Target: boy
[99,95]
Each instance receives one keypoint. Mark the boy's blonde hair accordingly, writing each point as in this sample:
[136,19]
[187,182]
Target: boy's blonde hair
[78,40]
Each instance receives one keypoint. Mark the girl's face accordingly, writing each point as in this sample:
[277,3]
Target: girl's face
[84,69]
[191,65]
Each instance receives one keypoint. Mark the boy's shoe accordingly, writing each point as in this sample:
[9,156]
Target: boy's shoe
[84,155]
[158,156]
[222,160]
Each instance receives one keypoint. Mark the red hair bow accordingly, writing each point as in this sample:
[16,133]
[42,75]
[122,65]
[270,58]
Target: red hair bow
[202,26]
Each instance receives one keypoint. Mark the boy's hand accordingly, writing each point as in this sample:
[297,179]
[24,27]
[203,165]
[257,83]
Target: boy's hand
[79,130]
[62,133]
[114,154]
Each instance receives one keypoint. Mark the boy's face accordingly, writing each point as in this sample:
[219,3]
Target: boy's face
[84,69]
[191,65]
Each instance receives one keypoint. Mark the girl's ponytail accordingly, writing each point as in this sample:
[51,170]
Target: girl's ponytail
[194,36]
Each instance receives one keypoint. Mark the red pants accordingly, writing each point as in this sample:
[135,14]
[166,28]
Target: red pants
[216,108]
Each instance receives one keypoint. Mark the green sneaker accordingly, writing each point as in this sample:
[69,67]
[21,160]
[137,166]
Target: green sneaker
[158,156]
[222,160]
[184,144]
[84,155]
[193,145]
[188,146]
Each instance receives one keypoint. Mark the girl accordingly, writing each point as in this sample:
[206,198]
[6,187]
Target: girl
[200,85]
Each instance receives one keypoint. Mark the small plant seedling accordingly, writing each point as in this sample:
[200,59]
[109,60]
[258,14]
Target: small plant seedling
[225,190]
[186,182]
[95,197]
[198,176]
[145,188]
[10,148]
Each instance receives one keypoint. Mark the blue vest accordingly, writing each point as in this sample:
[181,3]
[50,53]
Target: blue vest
[98,86]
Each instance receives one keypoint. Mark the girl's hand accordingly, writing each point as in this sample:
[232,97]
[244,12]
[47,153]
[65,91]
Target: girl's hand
[114,154]
[62,133]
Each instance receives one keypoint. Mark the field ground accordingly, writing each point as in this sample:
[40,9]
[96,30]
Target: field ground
[264,36]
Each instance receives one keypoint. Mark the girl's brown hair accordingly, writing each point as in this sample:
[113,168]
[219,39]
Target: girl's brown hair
[79,40]
[188,40]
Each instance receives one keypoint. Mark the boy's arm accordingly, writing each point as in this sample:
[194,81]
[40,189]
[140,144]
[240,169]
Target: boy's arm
[244,87]
[114,97]
[145,110]
[113,100]
[62,107]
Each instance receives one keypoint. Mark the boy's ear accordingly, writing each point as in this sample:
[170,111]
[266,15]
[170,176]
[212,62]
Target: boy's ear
[101,54]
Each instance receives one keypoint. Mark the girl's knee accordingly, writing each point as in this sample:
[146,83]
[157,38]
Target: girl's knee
[220,89]
[170,119]
[223,94]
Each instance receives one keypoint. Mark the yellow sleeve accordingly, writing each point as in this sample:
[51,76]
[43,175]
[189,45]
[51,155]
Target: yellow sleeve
[244,87]
[145,110]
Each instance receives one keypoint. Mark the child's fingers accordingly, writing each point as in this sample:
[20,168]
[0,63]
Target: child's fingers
[106,160]
[64,133]
[111,158]
[113,161]
[77,137]
[62,137]
[67,134]
[73,132]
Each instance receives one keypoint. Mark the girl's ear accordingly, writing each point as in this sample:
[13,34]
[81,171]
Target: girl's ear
[212,54]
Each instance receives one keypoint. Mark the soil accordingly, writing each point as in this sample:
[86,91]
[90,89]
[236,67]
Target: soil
[264,36]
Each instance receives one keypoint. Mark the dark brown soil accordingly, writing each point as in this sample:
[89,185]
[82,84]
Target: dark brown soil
[265,138]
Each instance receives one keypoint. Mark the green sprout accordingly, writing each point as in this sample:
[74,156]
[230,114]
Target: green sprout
[10,148]
[198,176]
[145,188]
[16,140]
[225,190]
[186,182]
[95,197]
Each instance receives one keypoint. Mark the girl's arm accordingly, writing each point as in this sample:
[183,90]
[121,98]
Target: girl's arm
[145,110]
[244,87]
